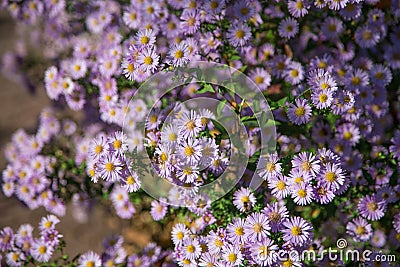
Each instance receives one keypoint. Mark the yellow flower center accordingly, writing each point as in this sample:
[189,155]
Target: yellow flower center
[110,166]
[347,135]
[330,176]
[190,248]
[42,250]
[130,180]
[239,231]
[300,111]
[232,257]
[179,54]
[323,98]
[306,166]
[280,185]
[148,60]
[360,230]
[372,206]
[239,34]
[258,227]
[145,40]
[274,217]
[296,230]
[302,193]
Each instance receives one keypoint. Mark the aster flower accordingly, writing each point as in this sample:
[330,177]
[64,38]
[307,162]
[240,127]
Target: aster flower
[264,253]
[294,73]
[256,227]
[370,208]
[276,214]
[191,248]
[235,231]
[332,175]
[298,8]
[359,229]
[40,251]
[6,239]
[239,35]
[322,99]
[349,132]
[179,54]
[190,151]
[158,209]
[279,187]
[395,147]
[216,240]
[148,59]
[299,113]
[232,255]
[190,21]
[131,182]
[302,194]
[145,37]
[297,230]
[89,259]
[243,199]
[307,163]
[288,28]
[109,167]
[190,124]
[48,223]
[179,233]
[322,193]
[261,77]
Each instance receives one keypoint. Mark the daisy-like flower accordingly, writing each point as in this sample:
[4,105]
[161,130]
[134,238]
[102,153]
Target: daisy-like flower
[256,227]
[78,69]
[190,151]
[191,248]
[332,28]
[349,132]
[322,193]
[243,199]
[366,36]
[271,166]
[98,147]
[261,78]
[131,17]
[322,99]
[276,214]
[179,54]
[170,135]
[232,255]
[307,163]
[371,208]
[89,259]
[158,209]
[129,68]
[264,253]
[337,4]
[288,28]
[239,35]
[148,59]
[297,231]
[190,21]
[294,73]
[359,229]
[117,143]
[299,113]
[208,259]
[40,251]
[145,37]
[235,231]
[216,240]
[298,8]
[380,75]
[131,182]
[179,233]
[333,176]
[48,223]
[209,151]
[187,173]
[395,145]
[190,124]
[109,167]
[6,239]
[279,187]
[302,194]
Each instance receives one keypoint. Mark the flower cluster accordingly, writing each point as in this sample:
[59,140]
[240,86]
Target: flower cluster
[329,71]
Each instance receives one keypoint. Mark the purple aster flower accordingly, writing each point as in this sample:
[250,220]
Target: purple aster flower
[189,124]
[216,240]
[179,233]
[6,239]
[179,54]
[90,258]
[41,251]
[294,73]
[279,187]
[307,163]
[191,248]
[371,208]
[190,21]
[256,227]
[322,193]
[232,255]
[322,99]
[359,229]
[158,209]
[131,182]
[276,214]
[264,253]
[125,209]
[395,147]
[109,167]
[208,258]
[349,132]
[190,151]
[378,239]
[297,231]
[299,113]
[272,168]
[235,231]
[288,28]
[243,199]
[48,223]
[332,175]
[302,194]
[298,8]
[239,35]
[148,59]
